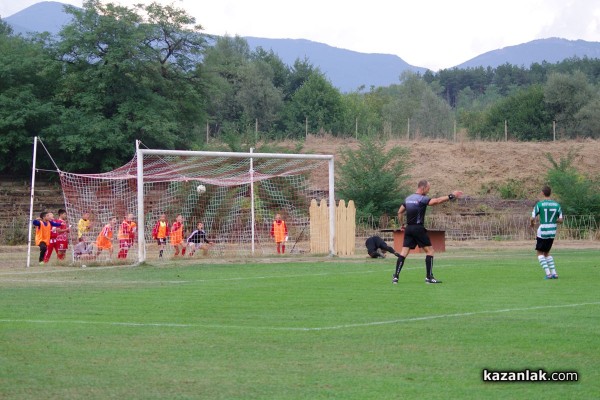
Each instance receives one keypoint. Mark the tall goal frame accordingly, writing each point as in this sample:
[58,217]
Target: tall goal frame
[141,152]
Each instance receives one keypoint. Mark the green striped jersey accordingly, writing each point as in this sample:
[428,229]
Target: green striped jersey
[549,212]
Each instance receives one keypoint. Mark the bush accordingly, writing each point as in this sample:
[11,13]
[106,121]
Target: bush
[512,190]
[15,233]
[373,178]
[579,194]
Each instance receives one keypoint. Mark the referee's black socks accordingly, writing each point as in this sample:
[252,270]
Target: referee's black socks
[399,265]
[429,266]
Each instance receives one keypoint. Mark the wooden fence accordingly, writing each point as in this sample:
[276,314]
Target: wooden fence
[345,227]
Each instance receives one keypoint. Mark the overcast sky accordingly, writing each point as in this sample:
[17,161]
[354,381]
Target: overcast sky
[433,34]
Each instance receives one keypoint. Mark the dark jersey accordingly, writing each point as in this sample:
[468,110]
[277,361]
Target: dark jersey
[198,236]
[416,205]
[375,242]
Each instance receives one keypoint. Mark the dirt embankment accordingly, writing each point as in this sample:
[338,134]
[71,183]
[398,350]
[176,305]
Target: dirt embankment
[479,168]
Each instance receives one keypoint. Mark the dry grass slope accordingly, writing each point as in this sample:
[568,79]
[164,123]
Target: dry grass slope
[478,168]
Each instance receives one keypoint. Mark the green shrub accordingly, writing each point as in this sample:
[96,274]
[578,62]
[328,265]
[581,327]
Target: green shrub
[512,190]
[373,177]
[578,194]
[15,233]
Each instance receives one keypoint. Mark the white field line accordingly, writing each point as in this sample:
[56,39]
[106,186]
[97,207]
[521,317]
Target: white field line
[301,329]
[441,316]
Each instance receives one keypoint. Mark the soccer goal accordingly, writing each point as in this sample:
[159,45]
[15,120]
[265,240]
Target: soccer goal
[235,195]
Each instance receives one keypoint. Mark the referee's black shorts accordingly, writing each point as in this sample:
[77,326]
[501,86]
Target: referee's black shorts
[415,235]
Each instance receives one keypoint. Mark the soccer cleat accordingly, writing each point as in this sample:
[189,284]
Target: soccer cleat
[394,280]
[548,277]
[41,263]
[554,276]
[432,280]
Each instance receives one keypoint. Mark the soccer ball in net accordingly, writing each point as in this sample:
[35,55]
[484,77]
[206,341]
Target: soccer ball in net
[201,189]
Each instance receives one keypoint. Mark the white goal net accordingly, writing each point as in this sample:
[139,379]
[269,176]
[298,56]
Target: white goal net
[240,197]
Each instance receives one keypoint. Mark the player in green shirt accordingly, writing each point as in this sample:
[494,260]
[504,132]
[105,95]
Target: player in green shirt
[550,215]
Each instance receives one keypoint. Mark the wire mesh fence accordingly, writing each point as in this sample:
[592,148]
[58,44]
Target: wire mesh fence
[498,226]
[485,227]
[457,227]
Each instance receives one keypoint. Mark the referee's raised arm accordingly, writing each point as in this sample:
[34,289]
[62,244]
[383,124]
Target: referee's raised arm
[452,196]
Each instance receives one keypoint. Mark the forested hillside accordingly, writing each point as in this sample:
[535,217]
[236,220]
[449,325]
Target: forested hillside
[117,74]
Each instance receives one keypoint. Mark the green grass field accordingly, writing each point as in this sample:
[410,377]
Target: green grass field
[316,329]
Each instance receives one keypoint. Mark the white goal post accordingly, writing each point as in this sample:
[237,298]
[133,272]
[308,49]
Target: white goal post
[251,174]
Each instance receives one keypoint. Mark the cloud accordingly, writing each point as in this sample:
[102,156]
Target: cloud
[573,20]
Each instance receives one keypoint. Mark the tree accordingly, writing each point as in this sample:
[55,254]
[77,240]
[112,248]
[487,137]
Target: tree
[244,87]
[403,102]
[257,95]
[526,115]
[317,102]
[415,100]
[373,177]
[509,77]
[434,118]
[363,111]
[590,67]
[469,100]
[453,81]
[299,73]
[223,66]
[128,74]
[565,95]
[172,38]
[280,73]
[28,79]
[588,120]
[5,28]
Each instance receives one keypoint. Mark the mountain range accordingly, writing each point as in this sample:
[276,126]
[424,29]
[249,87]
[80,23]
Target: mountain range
[347,70]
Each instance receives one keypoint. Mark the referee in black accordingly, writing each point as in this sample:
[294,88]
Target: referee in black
[414,207]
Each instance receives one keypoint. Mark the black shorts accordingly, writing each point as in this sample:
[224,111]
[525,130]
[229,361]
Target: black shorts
[543,245]
[415,235]
[161,241]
